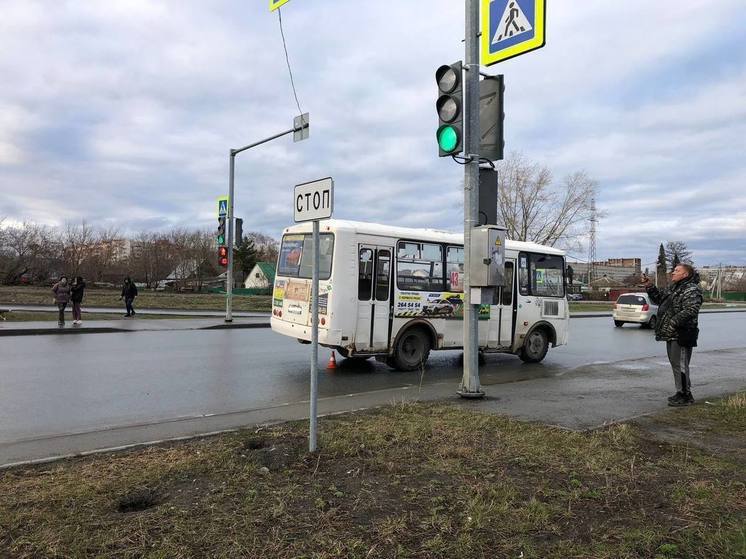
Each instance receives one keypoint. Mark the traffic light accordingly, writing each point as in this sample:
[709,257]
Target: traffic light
[223,255]
[221,231]
[492,117]
[450,107]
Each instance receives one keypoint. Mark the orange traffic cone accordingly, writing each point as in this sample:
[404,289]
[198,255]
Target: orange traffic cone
[332,362]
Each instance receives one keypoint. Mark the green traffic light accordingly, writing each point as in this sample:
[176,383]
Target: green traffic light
[221,240]
[447,138]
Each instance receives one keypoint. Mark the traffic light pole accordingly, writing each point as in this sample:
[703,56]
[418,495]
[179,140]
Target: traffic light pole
[301,125]
[229,270]
[470,387]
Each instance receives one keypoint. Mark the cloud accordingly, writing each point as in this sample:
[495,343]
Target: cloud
[124,112]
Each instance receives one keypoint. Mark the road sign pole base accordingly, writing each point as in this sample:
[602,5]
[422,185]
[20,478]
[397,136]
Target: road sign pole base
[228,320]
[470,395]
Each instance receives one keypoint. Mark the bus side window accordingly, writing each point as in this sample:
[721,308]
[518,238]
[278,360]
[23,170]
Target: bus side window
[455,269]
[523,273]
[507,289]
[419,266]
[365,274]
[383,268]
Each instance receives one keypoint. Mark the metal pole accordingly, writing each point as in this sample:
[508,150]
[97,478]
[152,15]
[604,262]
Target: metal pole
[470,382]
[229,270]
[314,338]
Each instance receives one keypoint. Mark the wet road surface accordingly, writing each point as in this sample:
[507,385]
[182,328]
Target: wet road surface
[55,385]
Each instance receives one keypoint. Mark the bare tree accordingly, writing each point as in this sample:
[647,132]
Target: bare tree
[676,253]
[28,252]
[266,247]
[77,245]
[532,207]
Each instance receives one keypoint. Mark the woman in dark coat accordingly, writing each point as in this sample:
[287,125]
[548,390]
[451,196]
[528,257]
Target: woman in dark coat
[76,296]
[61,291]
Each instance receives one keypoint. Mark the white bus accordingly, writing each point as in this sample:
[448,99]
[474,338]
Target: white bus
[396,293]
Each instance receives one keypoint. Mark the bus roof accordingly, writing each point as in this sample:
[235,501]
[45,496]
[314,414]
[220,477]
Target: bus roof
[434,235]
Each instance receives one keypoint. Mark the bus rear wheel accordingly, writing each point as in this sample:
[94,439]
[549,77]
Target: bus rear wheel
[535,347]
[411,351]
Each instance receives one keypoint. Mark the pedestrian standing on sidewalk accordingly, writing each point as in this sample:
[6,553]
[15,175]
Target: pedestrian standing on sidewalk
[61,291]
[76,296]
[129,292]
[678,309]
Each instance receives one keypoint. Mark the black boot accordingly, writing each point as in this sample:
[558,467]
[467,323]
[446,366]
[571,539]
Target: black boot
[680,401]
[688,397]
[675,396]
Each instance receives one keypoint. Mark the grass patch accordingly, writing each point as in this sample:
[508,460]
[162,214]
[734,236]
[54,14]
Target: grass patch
[415,480]
[109,298]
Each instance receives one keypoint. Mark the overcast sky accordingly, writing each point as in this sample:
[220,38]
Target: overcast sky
[122,113]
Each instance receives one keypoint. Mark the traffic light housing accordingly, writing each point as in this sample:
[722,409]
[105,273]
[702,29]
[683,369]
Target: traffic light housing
[450,107]
[239,232]
[221,231]
[492,117]
[223,256]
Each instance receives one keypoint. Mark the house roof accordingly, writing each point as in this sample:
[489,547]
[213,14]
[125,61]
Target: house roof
[268,269]
[606,281]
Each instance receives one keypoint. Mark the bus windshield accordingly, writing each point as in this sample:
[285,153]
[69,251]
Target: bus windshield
[296,256]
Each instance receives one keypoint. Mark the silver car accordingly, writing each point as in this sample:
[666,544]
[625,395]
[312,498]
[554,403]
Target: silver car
[637,308]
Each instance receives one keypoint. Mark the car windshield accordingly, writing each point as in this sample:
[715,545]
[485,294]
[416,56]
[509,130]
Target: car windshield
[631,300]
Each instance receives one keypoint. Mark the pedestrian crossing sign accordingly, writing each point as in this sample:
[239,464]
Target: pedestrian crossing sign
[511,28]
[274,4]
[222,206]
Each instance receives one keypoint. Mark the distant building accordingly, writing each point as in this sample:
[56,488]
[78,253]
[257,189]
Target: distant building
[111,250]
[617,269]
[261,276]
[729,277]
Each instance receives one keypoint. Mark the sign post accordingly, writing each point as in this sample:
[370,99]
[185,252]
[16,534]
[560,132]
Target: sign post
[313,201]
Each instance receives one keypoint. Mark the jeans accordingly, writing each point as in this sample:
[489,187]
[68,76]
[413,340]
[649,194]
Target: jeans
[128,303]
[61,307]
[76,311]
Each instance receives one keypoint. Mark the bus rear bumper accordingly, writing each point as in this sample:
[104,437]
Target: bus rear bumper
[303,332]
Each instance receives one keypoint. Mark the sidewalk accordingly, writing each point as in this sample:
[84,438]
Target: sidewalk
[129,325]
[203,320]
[120,311]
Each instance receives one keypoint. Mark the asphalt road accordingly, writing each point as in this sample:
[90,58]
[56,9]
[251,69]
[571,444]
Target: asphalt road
[56,385]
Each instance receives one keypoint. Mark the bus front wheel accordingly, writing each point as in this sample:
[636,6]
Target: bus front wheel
[535,347]
[412,350]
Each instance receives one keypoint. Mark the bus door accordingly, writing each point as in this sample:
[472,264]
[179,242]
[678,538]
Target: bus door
[373,298]
[501,314]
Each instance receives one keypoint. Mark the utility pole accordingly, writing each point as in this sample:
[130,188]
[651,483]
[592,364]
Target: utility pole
[470,387]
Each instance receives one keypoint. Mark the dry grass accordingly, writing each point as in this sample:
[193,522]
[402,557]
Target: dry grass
[109,298]
[404,481]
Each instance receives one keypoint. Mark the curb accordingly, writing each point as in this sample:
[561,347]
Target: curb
[46,331]
[113,330]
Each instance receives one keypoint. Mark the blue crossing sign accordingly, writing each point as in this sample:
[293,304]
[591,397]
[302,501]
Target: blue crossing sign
[222,206]
[511,28]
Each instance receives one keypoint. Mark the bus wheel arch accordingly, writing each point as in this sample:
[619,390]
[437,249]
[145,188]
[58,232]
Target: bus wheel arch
[412,346]
[536,342]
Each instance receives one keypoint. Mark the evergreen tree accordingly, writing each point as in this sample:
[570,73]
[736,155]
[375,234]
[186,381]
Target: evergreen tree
[661,257]
[245,256]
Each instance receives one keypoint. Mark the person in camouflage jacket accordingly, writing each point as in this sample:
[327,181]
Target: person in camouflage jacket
[678,309]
